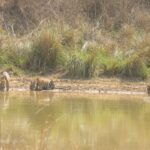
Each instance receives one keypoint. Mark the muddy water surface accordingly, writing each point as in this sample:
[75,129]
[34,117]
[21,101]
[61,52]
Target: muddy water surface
[51,121]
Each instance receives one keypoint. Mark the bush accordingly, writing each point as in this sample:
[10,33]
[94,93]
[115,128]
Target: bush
[83,65]
[46,53]
[68,38]
[14,52]
[132,67]
[112,66]
[135,67]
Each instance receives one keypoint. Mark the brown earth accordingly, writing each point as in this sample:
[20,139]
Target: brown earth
[98,85]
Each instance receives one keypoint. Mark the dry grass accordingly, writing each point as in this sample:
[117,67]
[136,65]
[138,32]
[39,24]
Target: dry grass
[46,50]
[20,16]
[113,32]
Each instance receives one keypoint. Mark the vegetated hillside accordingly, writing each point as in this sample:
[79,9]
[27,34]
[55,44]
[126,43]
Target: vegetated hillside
[22,15]
[86,38]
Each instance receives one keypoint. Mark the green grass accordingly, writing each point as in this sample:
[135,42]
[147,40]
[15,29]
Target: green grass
[83,65]
[135,67]
[46,52]
[54,46]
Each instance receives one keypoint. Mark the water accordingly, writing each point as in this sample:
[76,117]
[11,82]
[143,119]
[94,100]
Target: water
[50,121]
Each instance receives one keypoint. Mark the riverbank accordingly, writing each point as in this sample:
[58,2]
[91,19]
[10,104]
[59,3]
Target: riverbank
[91,42]
[98,85]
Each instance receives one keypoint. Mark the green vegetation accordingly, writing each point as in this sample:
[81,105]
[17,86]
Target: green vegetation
[86,39]
[46,52]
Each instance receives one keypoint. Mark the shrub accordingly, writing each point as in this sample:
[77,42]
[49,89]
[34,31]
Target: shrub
[135,67]
[3,59]
[132,67]
[46,52]
[82,65]
[14,52]
[112,66]
[68,38]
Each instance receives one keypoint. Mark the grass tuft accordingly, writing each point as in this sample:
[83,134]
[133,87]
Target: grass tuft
[46,52]
[83,65]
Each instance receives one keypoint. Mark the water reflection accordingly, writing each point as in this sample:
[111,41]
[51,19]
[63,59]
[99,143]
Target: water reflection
[41,96]
[4,100]
[44,120]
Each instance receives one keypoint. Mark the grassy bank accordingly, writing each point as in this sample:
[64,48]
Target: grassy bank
[89,44]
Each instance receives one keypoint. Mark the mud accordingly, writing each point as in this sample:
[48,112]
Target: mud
[97,86]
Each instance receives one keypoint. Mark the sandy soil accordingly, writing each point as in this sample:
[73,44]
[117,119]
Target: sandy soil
[99,85]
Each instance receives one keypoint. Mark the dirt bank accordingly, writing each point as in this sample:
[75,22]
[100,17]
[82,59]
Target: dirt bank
[99,85]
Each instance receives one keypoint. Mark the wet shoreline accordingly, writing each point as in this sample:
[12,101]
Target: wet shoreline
[98,86]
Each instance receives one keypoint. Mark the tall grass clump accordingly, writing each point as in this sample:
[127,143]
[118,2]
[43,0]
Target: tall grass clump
[17,53]
[83,65]
[135,67]
[131,68]
[14,52]
[3,59]
[112,66]
[68,38]
[46,52]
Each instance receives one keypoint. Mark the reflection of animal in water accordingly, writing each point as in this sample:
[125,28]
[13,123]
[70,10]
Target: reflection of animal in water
[4,100]
[4,82]
[42,84]
[42,97]
[148,89]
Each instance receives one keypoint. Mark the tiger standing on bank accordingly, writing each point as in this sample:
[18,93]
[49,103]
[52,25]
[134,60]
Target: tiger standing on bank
[4,81]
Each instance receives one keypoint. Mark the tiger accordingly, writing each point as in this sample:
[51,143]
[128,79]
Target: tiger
[2,85]
[4,81]
[42,84]
[148,89]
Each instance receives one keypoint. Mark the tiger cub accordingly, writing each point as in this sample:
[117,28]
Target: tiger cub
[42,84]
